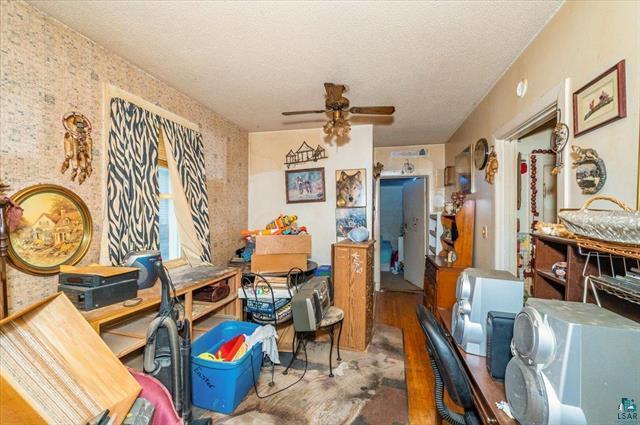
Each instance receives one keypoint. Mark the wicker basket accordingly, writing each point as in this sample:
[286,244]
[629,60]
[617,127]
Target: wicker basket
[594,229]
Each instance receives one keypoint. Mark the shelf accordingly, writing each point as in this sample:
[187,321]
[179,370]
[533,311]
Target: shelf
[549,275]
[210,322]
[201,308]
[122,345]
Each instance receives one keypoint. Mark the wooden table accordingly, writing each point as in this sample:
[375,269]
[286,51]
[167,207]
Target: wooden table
[124,328]
[486,391]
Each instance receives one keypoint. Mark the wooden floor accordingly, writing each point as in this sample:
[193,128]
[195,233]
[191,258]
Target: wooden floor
[399,309]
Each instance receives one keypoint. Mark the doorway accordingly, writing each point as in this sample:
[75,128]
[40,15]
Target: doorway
[537,192]
[403,213]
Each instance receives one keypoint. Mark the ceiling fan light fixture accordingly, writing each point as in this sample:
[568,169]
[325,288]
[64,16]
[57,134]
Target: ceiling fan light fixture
[328,128]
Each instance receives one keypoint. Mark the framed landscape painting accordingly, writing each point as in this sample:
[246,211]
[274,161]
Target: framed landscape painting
[55,229]
[305,185]
[349,218]
[601,101]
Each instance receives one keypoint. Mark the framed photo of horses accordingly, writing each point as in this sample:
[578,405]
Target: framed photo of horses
[305,185]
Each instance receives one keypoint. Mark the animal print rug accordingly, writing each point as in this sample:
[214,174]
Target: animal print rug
[368,388]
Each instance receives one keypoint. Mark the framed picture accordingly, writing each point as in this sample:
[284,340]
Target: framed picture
[55,229]
[351,188]
[449,175]
[601,101]
[305,185]
[349,218]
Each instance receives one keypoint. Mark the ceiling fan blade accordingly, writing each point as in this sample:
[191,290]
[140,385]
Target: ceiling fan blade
[334,91]
[373,110]
[320,111]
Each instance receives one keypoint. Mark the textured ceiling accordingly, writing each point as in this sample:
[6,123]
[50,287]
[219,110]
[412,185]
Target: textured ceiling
[249,61]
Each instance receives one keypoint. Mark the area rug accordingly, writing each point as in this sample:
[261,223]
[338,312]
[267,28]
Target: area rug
[368,388]
[396,283]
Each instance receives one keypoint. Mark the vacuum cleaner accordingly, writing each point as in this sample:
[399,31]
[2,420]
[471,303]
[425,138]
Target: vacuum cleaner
[167,353]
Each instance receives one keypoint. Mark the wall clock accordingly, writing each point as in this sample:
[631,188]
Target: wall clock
[481,153]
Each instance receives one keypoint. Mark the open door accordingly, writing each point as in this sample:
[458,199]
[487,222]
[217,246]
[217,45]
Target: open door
[414,195]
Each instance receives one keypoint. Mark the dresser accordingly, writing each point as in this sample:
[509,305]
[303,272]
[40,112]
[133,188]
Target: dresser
[352,271]
[440,283]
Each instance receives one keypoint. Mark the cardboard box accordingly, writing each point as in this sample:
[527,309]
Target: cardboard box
[283,244]
[277,263]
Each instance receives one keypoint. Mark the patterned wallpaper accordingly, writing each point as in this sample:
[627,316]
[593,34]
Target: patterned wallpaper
[47,69]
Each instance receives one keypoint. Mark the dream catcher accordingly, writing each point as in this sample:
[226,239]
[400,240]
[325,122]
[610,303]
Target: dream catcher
[559,139]
[78,146]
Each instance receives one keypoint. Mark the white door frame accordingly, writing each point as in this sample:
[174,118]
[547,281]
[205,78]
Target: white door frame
[505,142]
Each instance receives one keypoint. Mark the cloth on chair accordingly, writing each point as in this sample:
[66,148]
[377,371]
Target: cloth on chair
[267,335]
[158,395]
[331,317]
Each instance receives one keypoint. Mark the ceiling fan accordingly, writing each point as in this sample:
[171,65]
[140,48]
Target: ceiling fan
[338,106]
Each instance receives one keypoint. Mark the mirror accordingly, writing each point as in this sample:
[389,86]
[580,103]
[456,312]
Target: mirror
[464,172]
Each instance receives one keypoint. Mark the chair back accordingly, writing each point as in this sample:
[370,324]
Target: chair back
[455,378]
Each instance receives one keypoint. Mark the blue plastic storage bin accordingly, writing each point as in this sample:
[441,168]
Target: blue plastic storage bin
[221,386]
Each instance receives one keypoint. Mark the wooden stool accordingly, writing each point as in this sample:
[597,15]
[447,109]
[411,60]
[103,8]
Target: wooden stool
[332,317]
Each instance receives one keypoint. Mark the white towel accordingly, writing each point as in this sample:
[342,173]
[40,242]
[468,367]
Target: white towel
[267,335]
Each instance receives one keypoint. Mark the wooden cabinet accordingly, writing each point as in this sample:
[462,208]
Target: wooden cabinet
[440,277]
[440,283]
[353,291]
[552,249]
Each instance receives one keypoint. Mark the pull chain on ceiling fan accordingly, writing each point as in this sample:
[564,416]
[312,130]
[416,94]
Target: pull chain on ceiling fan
[338,106]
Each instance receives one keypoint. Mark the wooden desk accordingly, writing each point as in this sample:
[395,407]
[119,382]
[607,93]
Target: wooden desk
[124,329]
[486,391]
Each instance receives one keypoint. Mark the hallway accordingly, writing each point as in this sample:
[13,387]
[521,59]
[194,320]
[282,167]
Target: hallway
[399,309]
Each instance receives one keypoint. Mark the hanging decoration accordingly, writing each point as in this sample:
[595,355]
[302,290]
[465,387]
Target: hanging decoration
[559,139]
[305,153]
[533,179]
[78,146]
[408,168]
[492,167]
[591,173]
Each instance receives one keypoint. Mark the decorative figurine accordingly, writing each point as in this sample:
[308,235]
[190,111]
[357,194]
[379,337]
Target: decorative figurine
[559,138]
[492,167]
[591,173]
[78,146]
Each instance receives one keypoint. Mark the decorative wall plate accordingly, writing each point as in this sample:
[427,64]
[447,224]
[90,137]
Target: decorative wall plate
[481,153]
[591,173]
[56,229]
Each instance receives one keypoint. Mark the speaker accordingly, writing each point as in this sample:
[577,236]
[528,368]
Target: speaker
[573,363]
[499,335]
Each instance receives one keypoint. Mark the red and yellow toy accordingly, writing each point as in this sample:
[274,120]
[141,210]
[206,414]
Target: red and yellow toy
[283,225]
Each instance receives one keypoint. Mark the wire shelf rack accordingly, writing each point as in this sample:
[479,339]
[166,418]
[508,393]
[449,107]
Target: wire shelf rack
[616,275]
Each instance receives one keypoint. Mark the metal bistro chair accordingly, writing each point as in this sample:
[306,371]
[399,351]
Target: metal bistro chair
[333,317]
[448,372]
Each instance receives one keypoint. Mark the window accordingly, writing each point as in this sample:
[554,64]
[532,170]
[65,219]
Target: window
[169,235]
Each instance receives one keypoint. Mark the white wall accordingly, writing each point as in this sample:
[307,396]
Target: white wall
[391,214]
[267,198]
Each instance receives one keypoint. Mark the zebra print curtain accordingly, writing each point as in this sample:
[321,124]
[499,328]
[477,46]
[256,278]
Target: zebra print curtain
[188,151]
[132,180]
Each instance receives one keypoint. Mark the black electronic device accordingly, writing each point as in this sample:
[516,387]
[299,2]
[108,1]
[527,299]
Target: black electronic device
[94,279]
[91,297]
[499,335]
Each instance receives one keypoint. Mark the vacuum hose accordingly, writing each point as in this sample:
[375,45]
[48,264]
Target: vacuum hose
[444,411]
[151,365]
